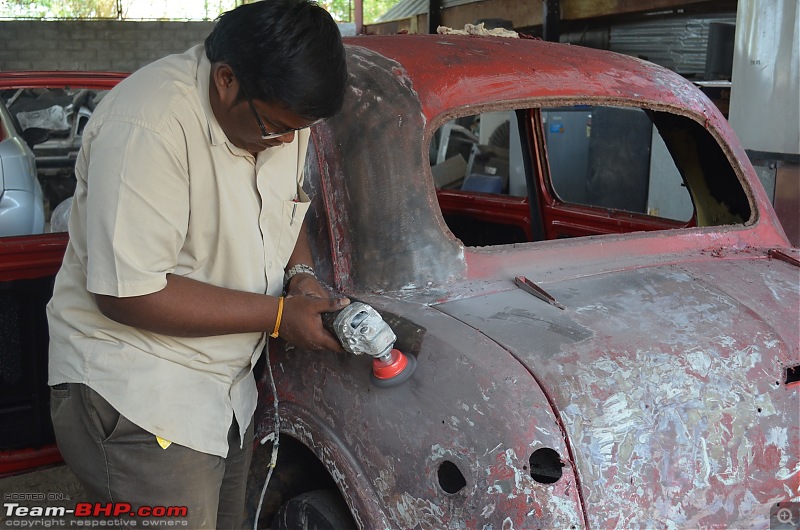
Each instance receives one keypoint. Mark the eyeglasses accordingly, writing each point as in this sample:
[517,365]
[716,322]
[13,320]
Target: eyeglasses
[266,135]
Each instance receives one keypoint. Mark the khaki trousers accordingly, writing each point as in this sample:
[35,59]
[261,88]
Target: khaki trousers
[118,462]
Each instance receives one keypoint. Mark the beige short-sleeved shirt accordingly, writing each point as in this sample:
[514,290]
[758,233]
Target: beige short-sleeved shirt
[162,190]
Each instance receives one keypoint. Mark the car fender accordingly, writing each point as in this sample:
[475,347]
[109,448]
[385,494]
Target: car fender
[470,409]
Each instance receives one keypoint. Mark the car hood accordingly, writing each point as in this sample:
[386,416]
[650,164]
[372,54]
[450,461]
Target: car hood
[670,382]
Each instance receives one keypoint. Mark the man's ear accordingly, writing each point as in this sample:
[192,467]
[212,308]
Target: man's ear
[225,82]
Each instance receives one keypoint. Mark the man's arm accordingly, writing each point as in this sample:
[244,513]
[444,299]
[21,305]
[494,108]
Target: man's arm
[189,308]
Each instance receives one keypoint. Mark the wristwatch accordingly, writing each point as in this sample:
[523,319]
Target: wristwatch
[293,271]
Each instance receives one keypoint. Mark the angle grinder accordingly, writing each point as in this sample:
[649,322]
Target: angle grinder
[361,330]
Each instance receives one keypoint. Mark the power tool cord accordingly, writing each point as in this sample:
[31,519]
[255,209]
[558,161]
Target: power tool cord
[275,436]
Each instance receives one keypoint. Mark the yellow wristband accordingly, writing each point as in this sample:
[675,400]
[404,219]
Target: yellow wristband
[274,333]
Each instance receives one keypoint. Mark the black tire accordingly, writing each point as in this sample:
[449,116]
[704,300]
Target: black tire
[315,510]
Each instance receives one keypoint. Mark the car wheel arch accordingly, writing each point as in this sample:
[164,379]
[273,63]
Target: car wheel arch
[311,458]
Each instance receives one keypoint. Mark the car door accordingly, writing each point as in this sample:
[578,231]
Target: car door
[481,167]
[28,265]
[605,170]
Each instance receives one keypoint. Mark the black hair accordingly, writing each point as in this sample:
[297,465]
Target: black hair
[287,52]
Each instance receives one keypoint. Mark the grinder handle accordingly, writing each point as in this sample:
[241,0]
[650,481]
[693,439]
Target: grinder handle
[327,322]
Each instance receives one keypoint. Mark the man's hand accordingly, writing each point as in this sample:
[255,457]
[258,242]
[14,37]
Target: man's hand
[301,324]
[307,285]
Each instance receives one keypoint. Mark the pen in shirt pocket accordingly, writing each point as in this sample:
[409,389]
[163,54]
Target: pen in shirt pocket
[294,209]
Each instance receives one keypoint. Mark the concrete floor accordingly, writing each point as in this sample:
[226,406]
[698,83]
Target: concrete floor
[55,486]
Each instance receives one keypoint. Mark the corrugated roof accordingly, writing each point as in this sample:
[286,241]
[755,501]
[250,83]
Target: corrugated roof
[410,8]
[404,9]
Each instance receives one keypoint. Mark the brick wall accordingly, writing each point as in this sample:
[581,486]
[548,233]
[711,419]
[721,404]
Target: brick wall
[108,45]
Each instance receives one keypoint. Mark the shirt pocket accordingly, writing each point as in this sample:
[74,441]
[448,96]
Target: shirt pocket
[292,217]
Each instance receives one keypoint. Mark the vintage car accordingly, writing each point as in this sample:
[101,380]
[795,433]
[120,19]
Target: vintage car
[650,381]
[600,304]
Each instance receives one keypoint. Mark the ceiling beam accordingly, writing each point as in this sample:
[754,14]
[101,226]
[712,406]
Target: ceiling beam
[529,13]
[434,15]
[583,9]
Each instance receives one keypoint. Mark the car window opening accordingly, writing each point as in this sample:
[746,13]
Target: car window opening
[718,196]
[605,170]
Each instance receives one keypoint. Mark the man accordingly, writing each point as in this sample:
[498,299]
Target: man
[186,221]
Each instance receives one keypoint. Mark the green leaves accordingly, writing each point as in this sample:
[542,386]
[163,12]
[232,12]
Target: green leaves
[344,10]
[340,10]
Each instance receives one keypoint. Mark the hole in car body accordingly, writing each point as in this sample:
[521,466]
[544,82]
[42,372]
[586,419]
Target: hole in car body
[792,374]
[546,465]
[451,480]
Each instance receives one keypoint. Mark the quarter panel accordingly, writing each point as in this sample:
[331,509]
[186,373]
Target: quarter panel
[468,402]
[670,383]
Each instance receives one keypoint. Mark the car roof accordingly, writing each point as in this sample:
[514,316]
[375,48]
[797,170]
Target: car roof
[516,69]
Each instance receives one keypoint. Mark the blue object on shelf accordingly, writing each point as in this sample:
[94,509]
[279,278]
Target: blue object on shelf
[483,183]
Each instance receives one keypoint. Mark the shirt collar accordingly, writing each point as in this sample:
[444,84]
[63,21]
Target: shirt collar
[215,133]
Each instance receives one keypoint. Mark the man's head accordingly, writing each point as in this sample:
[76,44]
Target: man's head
[277,65]
[287,52]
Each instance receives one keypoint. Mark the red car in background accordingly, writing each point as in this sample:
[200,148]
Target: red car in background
[28,263]
[574,247]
